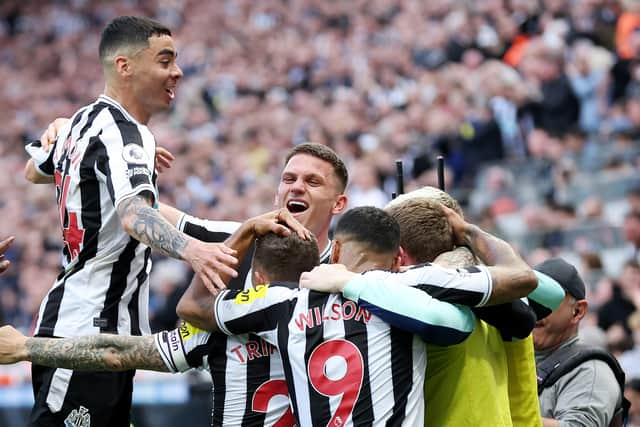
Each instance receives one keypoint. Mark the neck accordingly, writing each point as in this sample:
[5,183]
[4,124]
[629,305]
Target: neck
[359,259]
[323,241]
[125,97]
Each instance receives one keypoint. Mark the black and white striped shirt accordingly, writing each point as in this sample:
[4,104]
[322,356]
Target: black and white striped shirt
[343,365]
[249,388]
[101,157]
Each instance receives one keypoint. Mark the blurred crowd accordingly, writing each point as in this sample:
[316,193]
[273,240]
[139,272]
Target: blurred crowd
[535,105]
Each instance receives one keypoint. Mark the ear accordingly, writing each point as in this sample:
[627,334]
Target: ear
[335,252]
[579,311]
[397,263]
[340,204]
[405,259]
[123,66]
[259,278]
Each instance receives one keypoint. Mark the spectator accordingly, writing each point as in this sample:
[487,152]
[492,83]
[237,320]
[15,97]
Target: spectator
[589,394]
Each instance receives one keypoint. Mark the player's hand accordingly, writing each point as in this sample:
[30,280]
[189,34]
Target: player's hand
[4,245]
[331,278]
[49,136]
[12,346]
[212,261]
[458,225]
[280,222]
[163,159]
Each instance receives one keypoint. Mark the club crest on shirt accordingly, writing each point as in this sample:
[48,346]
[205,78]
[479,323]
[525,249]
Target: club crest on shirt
[133,153]
[78,418]
[252,294]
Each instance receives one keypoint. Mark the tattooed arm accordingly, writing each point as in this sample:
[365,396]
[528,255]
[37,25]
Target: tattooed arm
[511,277]
[95,353]
[145,224]
[459,257]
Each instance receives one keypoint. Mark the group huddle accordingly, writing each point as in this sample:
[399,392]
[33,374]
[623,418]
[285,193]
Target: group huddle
[407,315]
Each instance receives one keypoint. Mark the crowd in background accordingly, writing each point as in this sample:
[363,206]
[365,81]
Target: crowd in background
[535,105]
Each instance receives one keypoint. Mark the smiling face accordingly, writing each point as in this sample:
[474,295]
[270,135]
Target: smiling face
[310,189]
[155,74]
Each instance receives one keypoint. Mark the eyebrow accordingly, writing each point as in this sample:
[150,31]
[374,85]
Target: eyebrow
[166,51]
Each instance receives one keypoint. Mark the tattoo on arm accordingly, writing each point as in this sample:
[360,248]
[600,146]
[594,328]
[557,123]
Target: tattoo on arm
[490,249]
[150,228]
[459,257]
[97,353]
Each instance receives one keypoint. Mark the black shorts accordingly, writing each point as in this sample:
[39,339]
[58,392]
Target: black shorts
[73,398]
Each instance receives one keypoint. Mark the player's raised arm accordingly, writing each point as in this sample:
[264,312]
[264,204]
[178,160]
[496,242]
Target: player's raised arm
[105,352]
[145,224]
[195,305]
[511,277]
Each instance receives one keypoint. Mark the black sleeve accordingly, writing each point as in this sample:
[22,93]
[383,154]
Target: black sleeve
[514,320]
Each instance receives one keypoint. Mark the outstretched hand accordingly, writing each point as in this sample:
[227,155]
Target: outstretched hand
[12,346]
[211,261]
[4,245]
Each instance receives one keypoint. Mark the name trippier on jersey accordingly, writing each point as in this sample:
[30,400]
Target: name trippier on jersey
[252,350]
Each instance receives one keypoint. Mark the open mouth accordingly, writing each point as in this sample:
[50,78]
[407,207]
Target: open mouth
[297,206]
[170,92]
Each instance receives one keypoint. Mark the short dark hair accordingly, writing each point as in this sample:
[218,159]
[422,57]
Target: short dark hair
[285,258]
[370,226]
[129,31]
[325,153]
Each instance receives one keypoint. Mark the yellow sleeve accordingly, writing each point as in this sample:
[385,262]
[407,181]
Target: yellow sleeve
[523,384]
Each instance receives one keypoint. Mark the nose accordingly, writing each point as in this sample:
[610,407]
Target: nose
[177,72]
[297,186]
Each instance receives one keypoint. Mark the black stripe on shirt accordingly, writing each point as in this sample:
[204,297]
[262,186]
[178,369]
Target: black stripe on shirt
[91,223]
[318,403]
[130,134]
[51,310]
[201,233]
[283,345]
[258,372]
[48,166]
[134,304]
[356,332]
[97,108]
[218,368]
[402,378]
[260,320]
[453,295]
[90,194]
[108,320]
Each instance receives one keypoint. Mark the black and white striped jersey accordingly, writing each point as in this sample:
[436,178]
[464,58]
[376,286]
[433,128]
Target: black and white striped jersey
[343,365]
[101,157]
[471,286]
[248,380]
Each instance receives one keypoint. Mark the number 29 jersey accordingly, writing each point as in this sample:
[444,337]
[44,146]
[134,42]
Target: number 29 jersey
[343,366]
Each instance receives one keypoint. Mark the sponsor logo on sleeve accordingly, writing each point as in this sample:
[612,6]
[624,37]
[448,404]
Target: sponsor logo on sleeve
[133,153]
[187,330]
[252,294]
